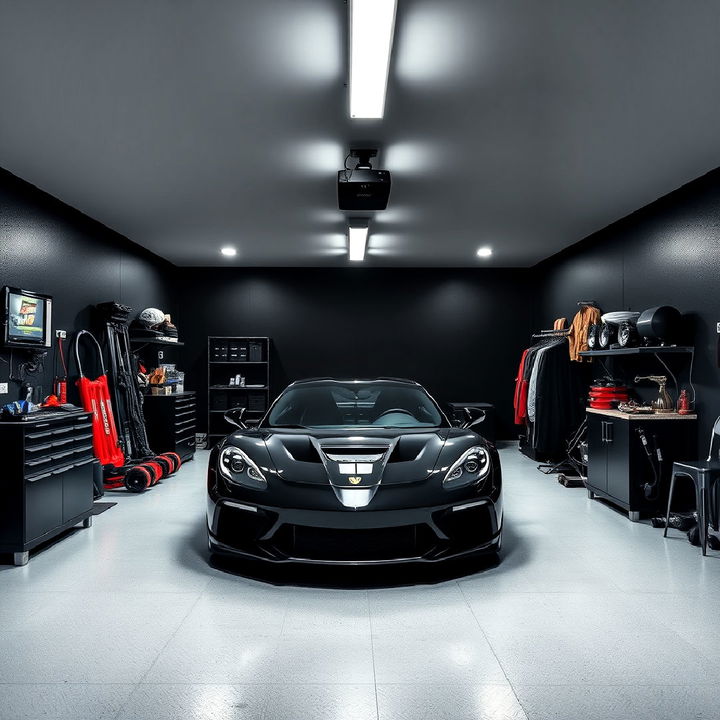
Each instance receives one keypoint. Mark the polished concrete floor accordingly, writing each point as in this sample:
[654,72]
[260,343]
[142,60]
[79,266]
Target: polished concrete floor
[588,616]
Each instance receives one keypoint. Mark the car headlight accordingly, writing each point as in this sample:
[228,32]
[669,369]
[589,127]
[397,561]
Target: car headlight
[472,467]
[237,467]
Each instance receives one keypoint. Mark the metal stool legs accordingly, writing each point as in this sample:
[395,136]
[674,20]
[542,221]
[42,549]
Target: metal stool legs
[702,516]
[670,497]
[701,503]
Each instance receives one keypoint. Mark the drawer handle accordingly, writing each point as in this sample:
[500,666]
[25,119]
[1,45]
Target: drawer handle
[35,436]
[41,461]
[38,448]
[38,477]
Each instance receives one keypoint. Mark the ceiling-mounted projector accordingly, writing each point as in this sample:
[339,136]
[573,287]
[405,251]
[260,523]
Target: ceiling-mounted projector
[363,188]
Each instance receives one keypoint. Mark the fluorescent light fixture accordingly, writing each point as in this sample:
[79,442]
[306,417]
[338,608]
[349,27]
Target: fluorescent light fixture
[229,251]
[484,252]
[372,24]
[357,242]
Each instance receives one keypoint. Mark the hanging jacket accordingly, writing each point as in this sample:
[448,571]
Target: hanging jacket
[520,400]
[586,316]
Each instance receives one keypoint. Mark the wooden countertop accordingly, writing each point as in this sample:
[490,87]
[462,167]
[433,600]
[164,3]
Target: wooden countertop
[641,416]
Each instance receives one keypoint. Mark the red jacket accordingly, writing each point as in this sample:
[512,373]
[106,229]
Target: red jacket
[521,393]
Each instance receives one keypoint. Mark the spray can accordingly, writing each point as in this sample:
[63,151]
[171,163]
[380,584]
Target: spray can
[60,389]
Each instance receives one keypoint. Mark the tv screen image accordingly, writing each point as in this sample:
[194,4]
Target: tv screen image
[27,318]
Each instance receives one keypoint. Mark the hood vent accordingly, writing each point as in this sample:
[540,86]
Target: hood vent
[408,448]
[301,449]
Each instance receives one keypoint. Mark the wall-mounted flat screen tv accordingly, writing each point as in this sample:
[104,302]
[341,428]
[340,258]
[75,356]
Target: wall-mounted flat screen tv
[27,321]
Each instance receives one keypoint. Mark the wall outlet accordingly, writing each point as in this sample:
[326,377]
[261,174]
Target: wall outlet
[61,334]
[4,389]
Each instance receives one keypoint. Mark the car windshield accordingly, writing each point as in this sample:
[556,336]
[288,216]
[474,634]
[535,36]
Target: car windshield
[335,404]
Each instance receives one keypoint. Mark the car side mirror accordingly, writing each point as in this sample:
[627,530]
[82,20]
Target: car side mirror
[473,416]
[235,417]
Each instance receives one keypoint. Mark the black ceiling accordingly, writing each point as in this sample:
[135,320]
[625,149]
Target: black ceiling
[524,125]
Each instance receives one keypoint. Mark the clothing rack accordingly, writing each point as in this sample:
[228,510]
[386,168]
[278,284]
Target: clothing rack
[588,303]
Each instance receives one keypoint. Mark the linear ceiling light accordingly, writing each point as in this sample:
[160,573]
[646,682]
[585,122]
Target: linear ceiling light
[484,252]
[228,251]
[372,24]
[357,242]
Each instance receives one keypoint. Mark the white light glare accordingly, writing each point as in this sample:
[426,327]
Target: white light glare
[372,24]
[484,252]
[229,251]
[357,242]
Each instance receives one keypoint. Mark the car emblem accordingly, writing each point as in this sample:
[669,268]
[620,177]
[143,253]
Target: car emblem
[355,480]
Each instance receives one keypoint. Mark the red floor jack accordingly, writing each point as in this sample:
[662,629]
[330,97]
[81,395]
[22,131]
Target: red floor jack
[135,474]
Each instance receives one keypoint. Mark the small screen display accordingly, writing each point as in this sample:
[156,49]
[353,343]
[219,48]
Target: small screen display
[26,321]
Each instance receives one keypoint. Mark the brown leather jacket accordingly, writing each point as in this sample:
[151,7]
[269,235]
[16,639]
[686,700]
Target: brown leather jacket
[578,335]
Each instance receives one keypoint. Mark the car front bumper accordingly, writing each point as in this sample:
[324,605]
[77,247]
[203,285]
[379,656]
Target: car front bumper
[343,537]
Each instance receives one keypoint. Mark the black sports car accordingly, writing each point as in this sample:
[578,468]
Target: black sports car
[354,472]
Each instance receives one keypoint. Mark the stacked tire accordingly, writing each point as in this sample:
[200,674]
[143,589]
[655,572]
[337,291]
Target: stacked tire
[149,473]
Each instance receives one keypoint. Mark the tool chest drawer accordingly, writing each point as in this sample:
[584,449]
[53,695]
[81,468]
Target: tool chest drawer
[171,423]
[47,482]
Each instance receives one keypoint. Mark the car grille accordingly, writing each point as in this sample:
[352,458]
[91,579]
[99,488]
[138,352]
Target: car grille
[377,544]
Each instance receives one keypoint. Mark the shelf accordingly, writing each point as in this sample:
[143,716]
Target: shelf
[641,416]
[237,362]
[643,350]
[238,387]
[155,341]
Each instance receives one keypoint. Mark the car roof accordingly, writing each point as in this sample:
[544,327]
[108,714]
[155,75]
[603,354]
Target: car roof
[404,381]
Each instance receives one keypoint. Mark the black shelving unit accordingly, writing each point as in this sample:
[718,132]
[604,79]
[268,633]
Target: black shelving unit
[229,356]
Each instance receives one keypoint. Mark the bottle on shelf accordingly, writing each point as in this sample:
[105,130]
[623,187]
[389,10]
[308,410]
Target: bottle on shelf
[683,404]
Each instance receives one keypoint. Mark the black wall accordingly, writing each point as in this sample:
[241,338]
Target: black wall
[667,253]
[458,332]
[51,248]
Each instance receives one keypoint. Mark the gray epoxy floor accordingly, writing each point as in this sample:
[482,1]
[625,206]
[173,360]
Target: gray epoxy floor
[588,616]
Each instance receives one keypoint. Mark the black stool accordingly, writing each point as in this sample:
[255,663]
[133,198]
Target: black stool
[705,475]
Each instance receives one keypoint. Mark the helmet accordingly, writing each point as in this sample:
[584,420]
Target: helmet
[150,317]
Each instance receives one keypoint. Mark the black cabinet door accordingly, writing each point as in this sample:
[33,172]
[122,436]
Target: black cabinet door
[43,505]
[618,459]
[77,496]
[597,453]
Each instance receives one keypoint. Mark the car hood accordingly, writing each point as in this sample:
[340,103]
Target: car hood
[356,465]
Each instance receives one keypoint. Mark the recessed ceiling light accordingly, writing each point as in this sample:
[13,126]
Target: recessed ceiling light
[372,24]
[357,242]
[229,251]
[484,252]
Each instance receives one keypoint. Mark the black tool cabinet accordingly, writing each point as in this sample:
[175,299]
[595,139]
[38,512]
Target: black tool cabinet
[618,467]
[46,484]
[170,422]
